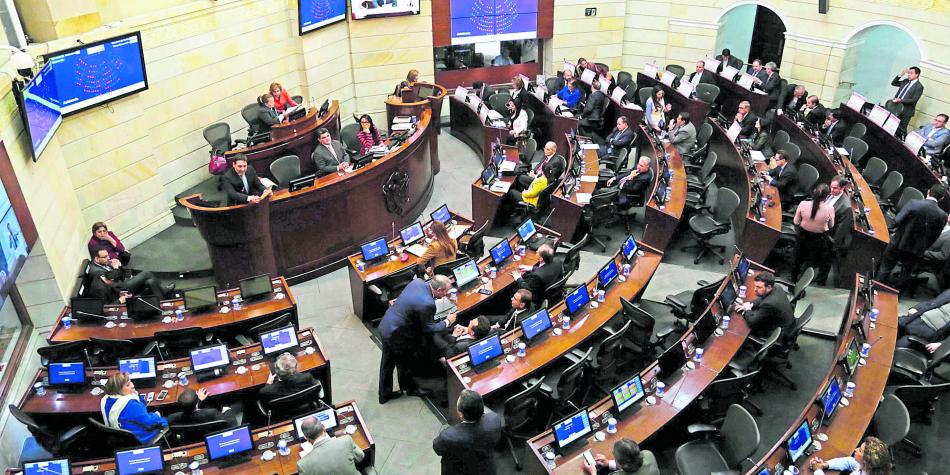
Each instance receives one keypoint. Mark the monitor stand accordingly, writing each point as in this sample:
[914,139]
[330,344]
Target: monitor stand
[233,460]
[70,389]
[538,339]
[487,365]
[203,376]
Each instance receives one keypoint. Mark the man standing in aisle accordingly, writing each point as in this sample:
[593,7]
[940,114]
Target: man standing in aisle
[909,91]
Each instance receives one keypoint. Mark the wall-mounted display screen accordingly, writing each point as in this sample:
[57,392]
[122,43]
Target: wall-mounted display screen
[13,246]
[364,9]
[315,14]
[40,109]
[476,21]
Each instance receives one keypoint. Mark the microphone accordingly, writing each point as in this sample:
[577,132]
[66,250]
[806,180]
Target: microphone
[546,218]
[96,315]
[146,302]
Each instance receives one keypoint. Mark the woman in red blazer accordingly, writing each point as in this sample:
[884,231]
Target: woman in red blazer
[282,99]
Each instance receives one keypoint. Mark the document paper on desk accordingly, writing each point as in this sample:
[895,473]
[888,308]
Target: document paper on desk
[416,249]
[650,70]
[500,186]
[588,76]
[729,72]
[734,130]
[746,81]
[590,178]
[711,64]
[460,93]
[457,230]
[618,94]
[890,125]
[583,198]
[878,115]
[856,101]
[686,88]
[668,78]
[590,146]
[914,141]
[756,156]
[507,166]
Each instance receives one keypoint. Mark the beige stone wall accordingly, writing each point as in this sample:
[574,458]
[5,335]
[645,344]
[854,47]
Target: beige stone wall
[595,38]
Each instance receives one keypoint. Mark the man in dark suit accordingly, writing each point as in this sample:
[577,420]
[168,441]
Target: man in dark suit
[541,276]
[468,447]
[928,320]
[835,128]
[619,138]
[770,309]
[521,306]
[772,84]
[701,75]
[267,115]
[909,91]
[558,164]
[328,156]
[242,184]
[592,117]
[287,381]
[758,73]
[634,184]
[109,282]
[726,59]
[841,232]
[190,413]
[746,119]
[796,99]
[461,337]
[814,113]
[784,177]
[918,225]
[402,329]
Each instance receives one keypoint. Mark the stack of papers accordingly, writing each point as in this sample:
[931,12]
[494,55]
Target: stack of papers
[416,249]
[399,119]
[507,166]
[584,198]
[400,126]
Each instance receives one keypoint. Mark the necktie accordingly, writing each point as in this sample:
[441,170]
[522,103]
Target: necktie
[332,152]
[247,189]
[903,91]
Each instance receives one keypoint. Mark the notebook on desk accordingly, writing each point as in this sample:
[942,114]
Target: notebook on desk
[501,186]
[456,231]
[416,249]
[507,166]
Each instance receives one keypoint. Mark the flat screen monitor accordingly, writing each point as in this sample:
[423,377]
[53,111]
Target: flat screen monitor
[568,185]
[98,72]
[278,340]
[628,393]
[40,109]
[442,214]
[485,350]
[229,443]
[200,298]
[501,252]
[364,9]
[799,442]
[426,91]
[577,299]
[478,21]
[87,308]
[830,399]
[143,308]
[256,287]
[705,327]
[327,417]
[852,356]
[465,273]
[374,249]
[138,368]
[742,268]
[140,460]
[411,233]
[488,175]
[630,248]
[67,374]
[210,357]
[47,467]
[671,360]
[300,183]
[316,14]
[527,230]
[571,429]
[728,296]
[607,274]
[536,324]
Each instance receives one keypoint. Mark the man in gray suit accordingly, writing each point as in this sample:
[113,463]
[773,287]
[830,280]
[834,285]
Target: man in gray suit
[683,133]
[841,233]
[329,456]
[328,156]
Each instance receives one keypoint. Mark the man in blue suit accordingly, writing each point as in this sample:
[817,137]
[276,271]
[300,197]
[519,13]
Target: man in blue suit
[918,224]
[936,134]
[468,447]
[402,330]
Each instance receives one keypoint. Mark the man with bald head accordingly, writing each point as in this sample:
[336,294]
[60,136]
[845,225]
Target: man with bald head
[636,183]
[558,164]
[701,75]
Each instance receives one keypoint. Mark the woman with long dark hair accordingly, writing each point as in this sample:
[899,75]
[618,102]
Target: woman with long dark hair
[814,220]
[368,134]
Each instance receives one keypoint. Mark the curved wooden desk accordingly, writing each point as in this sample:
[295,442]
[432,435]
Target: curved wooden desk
[731,94]
[553,126]
[468,127]
[849,423]
[293,138]
[308,232]
[755,237]
[698,110]
[663,219]
[396,106]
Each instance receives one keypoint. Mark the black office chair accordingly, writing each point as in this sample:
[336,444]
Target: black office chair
[563,384]
[348,137]
[65,444]
[623,78]
[807,178]
[285,169]
[472,243]
[780,138]
[389,287]
[292,405]
[697,175]
[891,423]
[793,151]
[920,399]
[555,291]
[892,184]
[857,130]
[571,258]
[697,197]
[524,210]
[781,352]
[244,338]
[717,222]
[689,305]
[552,84]
[499,102]
[797,290]
[895,108]
[601,211]
[707,92]
[64,352]
[750,359]
[179,343]
[106,351]
[644,94]
[891,210]
[183,434]
[714,402]
[254,136]
[856,147]
[915,366]
[604,357]
[641,343]
[739,439]
[520,413]
[446,269]
[873,172]
[218,136]
[103,441]
[676,69]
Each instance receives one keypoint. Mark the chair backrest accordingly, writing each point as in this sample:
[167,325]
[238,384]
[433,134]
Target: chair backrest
[400,279]
[182,434]
[249,113]
[487,92]
[446,268]
[802,285]
[110,439]
[285,169]
[938,357]
[498,102]
[645,93]
[572,258]
[874,170]
[763,351]
[781,138]
[279,321]
[544,198]
[551,84]
[622,77]
[218,136]
[292,405]
[348,135]
[920,397]
[297,99]
[609,349]
[856,147]
[475,246]
[37,430]
[642,323]
[891,420]
[858,130]
[530,146]
[892,183]
[572,379]
[522,408]
[179,342]
[790,337]
[726,203]
[530,115]
[63,352]
[727,391]
[909,194]
[555,291]
[740,436]
[110,350]
[807,177]
[707,92]
[894,107]
[705,131]
[792,150]
[676,69]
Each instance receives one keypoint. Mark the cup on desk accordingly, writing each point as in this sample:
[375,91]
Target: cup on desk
[522,349]
[566,322]
[612,425]
[492,272]
[194,468]
[522,250]
[39,388]
[601,295]
[179,314]
[865,350]
[874,313]
[453,294]
[849,389]
[282,448]
[183,379]
[660,388]
[725,322]
[67,322]
[698,356]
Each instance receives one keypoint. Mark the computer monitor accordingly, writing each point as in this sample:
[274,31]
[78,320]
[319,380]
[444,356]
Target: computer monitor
[705,327]
[489,175]
[229,444]
[87,309]
[571,430]
[484,352]
[411,233]
[209,358]
[465,274]
[630,248]
[374,249]
[256,287]
[139,369]
[426,91]
[501,252]
[67,375]
[527,230]
[200,298]
[577,299]
[442,214]
[298,184]
[799,442]
[727,297]
[830,399]
[568,185]
[671,360]
[536,325]
[279,340]
[852,356]
[327,417]
[607,275]
[140,460]
[47,467]
[742,268]
[627,393]
[143,308]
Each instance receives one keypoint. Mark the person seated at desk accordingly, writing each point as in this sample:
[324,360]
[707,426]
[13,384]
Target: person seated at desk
[467,448]
[939,253]
[620,138]
[188,402]
[770,309]
[772,84]
[519,122]
[784,177]
[582,65]
[110,283]
[517,91]
[521,306]
[327,455]
[701,76]
[570,94]
[267,115]
[287,379]
[797,99]
[105,239]
[552,158]
[563,80]
[122,409]
[368,135]
[461,337]
[759,74]
[328,156]
[629,460]
[547,271]
[746,119]
[503,58]
[411,77]
[241,183]
[936,133]
[282,99]
[813,112]
[683,133]
[634,184]
[442,249]
[532,193]
[835,127]
[655,110]
[726,59]
[761,140]
[591,118]
[928,320]
[872,457]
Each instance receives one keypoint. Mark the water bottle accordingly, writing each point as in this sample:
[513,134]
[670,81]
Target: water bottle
[626,269]
[67,322]
[566,322]
[550,460]
[522,250]
[493,272]
[865,350]
[600,295]
[612,425]
[183,379]
[742,291]
[522,350]
[725,322]
[873,315]
[236,302]
[360,265]
[282,448]
[453,294]
[179,314]
[698,356]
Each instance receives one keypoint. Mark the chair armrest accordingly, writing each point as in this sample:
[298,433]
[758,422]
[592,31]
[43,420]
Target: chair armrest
[374,289]
[788,285]
[694,429]
[702,283]
[242,141]
[69,434]
[918,341]
[662,333]
[150,347]
[676,302]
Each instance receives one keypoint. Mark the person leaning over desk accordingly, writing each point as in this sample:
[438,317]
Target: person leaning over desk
[442,249]
[327,455]
[328,156]
[122,409]
[570,94]
[282,99]
[241,183]
[267,115]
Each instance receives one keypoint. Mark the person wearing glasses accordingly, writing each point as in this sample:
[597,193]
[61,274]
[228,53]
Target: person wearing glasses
[368,135]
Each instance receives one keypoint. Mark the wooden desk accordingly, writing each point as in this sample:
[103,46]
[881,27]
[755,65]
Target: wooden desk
[468,127]
[292,138]
[178,458]
[682,388]
[396,106]
[731,94]
[755,237]
[460,375]
[85,403]
[552,126]
[663,219]
[849,423]
[566,210]
[309,232]
[615,110]
[698,110]
[485,202]
[867,242]
[143,332]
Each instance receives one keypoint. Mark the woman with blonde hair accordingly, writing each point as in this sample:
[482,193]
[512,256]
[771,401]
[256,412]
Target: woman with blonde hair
[870,458]
[282,99]
[122,409]
[442,249]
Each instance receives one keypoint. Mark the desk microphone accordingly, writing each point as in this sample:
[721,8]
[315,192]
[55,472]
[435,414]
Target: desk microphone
[103,317]
[546,218]
[146,302]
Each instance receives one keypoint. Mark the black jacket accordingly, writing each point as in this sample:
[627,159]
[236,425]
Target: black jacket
[594,109]
[100,290]
[919,225]
[786,180]
[232,185]
[839,130]
[467,448]
[706,78]
[540,279]
[748,125]
[771,312]
[266,118]
[286,386]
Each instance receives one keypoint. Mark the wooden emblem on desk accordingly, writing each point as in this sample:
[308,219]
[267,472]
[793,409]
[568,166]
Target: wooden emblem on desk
[396,192]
